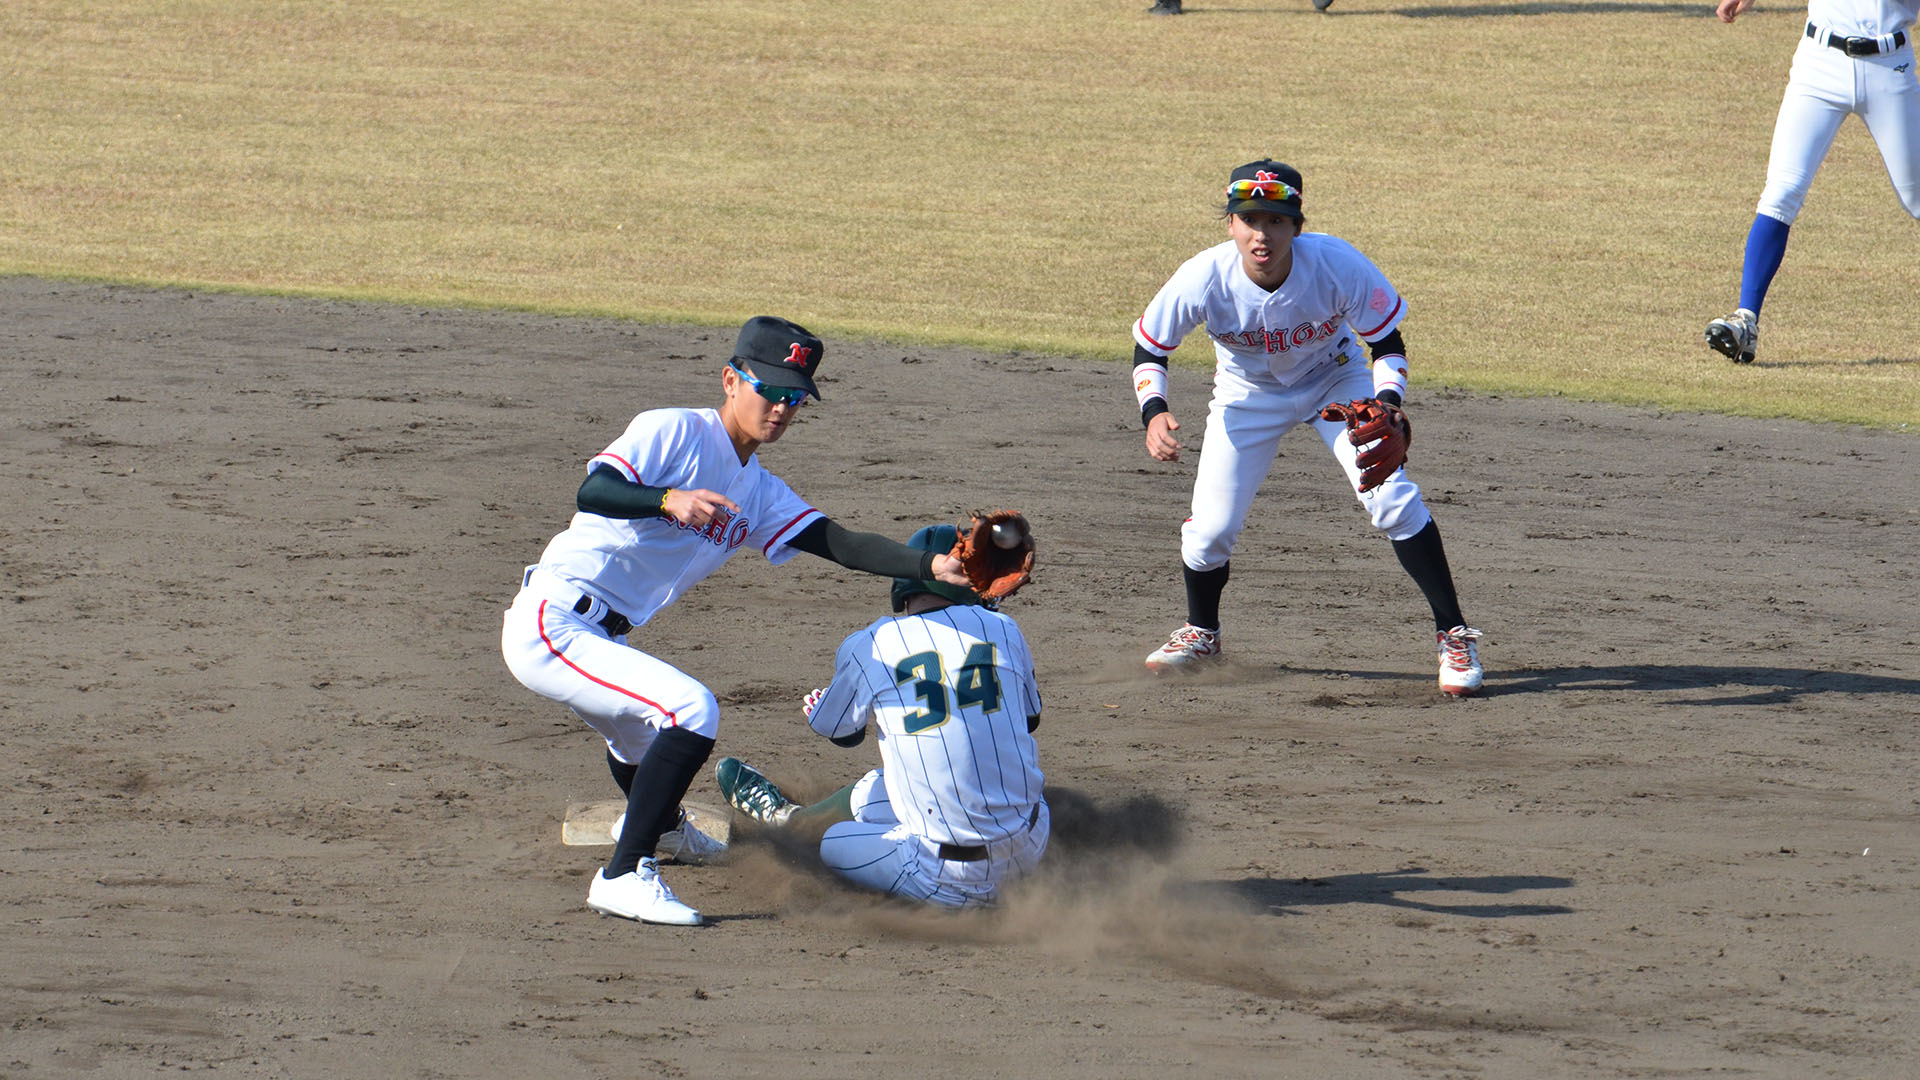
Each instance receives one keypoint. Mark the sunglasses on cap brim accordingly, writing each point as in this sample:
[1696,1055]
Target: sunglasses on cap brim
[790,396]
[1271,190]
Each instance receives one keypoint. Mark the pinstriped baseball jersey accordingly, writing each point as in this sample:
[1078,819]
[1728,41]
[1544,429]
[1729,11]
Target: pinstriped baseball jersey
[1332,295]
[640,566]
[949,692]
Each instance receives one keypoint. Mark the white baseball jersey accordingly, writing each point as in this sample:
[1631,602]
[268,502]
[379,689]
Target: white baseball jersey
[1332,295]
[1862,18]
[949,692]
[640,566]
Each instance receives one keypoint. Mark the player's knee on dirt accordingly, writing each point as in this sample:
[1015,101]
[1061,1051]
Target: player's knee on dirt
[870,801]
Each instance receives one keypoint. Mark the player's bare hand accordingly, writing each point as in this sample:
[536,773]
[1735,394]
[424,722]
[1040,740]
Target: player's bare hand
[697,507]
[1728,10]
[948,569]
[1160,441]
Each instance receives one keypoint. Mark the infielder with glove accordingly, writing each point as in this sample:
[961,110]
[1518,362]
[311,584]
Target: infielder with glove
[1287,311]
[670,500]
[1854,56]
[955,809]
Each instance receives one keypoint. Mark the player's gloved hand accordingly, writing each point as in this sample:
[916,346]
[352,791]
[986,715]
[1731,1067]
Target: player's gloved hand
[996,551]
[1380,431]
[1160,441]
[812,699]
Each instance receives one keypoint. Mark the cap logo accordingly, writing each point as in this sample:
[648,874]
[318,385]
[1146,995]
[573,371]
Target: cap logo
[798,355]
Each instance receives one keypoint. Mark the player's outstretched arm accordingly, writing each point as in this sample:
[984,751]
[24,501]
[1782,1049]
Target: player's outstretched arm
[875,554]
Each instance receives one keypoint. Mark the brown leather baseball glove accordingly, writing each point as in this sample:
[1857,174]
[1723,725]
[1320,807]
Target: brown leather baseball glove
[995,550]
[1370,420]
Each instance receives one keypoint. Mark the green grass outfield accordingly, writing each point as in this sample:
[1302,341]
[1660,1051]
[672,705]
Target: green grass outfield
[1560,189]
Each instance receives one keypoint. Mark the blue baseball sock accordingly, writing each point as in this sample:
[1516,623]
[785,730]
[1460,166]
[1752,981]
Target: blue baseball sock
[1766,244]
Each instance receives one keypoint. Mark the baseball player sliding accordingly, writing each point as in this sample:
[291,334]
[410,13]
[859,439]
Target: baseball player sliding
[955,809]
[1854,56]
[1287,311]
[670,500]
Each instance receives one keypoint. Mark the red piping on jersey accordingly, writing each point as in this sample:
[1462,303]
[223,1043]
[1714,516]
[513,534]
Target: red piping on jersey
[672,721]
[784,528]
[624,464]
[1141,329]
[1392,315]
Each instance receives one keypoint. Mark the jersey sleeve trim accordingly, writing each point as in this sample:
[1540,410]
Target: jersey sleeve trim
[1140,331]
[792,529]
[1399,305]
[605,457]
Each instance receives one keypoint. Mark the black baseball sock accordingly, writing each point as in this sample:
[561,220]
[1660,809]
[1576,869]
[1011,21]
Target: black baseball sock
[622,773]
[1203,595]
[660,781]
[1425,560]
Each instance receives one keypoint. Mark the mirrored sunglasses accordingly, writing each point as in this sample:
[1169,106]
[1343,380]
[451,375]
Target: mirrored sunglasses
[1274,190]
[790,396]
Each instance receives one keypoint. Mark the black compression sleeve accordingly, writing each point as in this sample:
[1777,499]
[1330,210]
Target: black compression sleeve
[609,494]
[1391,345]
[868,552]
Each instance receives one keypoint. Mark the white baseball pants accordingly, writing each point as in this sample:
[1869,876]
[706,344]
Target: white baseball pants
[1244,426]
[875,851]
[622,693]
[1825,86]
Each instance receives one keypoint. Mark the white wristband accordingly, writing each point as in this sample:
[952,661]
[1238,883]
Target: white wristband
[1149,382]
[1390,373]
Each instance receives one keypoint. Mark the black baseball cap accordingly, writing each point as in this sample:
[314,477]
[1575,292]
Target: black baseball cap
[779,353]
[1265,186]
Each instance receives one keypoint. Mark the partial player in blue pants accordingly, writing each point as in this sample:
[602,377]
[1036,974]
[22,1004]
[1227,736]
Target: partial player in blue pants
[1855,56]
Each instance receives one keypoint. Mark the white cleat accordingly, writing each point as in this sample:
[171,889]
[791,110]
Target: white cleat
[1460,671]
[685,843]
[1735,335]
[1188,648]
[641,896]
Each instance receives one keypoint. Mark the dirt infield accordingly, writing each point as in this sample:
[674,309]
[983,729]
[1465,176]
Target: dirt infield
[277,808]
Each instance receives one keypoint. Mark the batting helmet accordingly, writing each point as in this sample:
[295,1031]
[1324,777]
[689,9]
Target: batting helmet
[940,538]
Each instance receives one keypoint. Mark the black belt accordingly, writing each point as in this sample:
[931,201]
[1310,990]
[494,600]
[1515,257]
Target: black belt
[614,623]
[977,852]
[1857,46]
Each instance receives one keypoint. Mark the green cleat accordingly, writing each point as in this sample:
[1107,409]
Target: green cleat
[751,793]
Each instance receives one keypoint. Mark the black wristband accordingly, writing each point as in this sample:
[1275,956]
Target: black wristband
[1154,407]
[1390,396]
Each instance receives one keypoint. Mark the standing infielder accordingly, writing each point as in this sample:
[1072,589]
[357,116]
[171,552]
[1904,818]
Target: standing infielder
[1287,311]
[955,808]
[674,497]
[1855,56]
